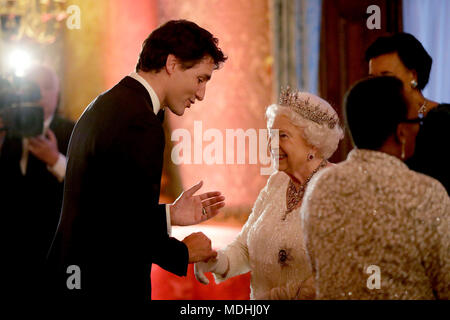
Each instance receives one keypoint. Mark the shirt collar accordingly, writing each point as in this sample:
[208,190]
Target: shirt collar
[47,123]
[155,101]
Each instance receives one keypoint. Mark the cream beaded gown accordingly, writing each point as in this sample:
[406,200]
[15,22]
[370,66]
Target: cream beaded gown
[272,248]
[371,210]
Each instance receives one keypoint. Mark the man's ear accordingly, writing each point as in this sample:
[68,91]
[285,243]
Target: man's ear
[171,63]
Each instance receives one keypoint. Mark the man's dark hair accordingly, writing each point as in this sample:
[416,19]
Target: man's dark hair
[373,108]
[185,40]
[410,51]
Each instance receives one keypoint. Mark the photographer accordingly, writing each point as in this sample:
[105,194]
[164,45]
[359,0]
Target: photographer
[32,172]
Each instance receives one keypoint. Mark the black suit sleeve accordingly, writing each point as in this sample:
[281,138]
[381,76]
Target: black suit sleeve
[63,130]
[139,156]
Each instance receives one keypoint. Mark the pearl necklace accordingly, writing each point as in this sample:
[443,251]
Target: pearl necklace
[293,196]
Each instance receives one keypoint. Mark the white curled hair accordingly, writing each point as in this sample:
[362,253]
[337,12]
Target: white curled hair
[320,136]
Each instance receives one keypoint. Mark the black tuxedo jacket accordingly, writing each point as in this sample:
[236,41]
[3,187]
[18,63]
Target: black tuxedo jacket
[111,225]
[30,207]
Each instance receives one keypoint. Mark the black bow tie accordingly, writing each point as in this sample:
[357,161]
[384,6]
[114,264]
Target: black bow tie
[160,115]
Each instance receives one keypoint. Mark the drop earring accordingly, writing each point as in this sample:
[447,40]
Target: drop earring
[403,150]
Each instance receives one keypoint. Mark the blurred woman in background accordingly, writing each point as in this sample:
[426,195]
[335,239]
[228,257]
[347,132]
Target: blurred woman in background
[404,57]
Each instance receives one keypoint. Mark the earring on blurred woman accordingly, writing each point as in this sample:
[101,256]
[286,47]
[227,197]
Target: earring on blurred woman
[310,156]
[414,84]
[403,150]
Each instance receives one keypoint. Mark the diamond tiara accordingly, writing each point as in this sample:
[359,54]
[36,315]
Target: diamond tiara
[305,108]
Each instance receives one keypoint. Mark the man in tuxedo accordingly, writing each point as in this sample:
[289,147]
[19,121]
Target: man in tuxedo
[112,228]
[32,172]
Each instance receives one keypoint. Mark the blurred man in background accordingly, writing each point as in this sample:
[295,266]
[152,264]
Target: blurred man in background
[32,172]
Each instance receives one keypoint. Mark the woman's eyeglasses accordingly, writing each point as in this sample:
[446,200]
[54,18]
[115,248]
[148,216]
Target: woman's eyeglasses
[418,120]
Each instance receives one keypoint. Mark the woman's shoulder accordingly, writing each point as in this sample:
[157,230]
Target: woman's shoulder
[277,179]
[426,189]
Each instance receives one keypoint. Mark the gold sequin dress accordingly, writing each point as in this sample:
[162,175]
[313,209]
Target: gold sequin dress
[371,217]
[272,248]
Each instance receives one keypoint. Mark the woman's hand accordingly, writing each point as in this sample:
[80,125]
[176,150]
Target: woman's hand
[219,265]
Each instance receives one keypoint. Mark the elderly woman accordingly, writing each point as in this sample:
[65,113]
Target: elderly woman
[270,244]
[403,56]
[373,228]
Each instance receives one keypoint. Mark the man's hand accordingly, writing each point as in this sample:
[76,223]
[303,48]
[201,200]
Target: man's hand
[188,209]
[45,148]
[199,247]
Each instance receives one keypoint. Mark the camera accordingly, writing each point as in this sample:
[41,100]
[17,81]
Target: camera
[19,112]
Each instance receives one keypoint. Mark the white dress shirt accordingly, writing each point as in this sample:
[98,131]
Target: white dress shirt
[58,169]
[156,107]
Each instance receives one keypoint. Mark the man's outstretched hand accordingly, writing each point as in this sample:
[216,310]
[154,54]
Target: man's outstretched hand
[188,209]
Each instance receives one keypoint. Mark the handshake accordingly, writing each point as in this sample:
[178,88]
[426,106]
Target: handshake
[205,259]
[190,209]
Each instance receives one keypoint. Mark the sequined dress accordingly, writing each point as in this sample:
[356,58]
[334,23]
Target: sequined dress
[376,230]
[271,248]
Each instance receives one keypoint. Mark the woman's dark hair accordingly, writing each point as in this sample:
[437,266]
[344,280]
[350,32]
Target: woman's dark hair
[184,39]
[373,108]
[410,51]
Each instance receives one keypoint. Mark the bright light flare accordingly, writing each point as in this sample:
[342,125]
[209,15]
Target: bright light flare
[19,60]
